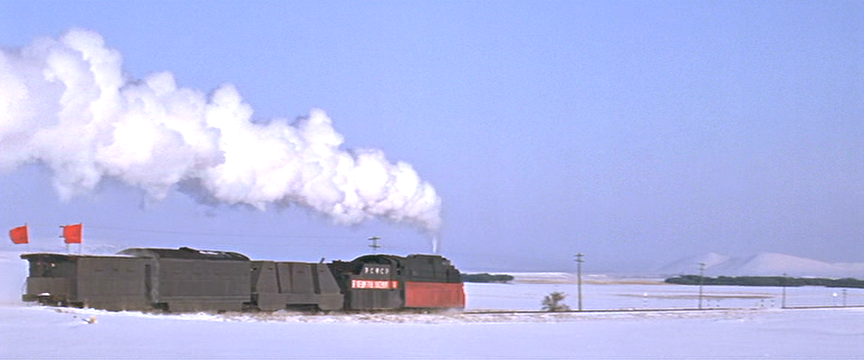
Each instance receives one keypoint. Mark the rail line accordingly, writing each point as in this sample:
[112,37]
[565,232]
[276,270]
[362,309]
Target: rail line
[654,310]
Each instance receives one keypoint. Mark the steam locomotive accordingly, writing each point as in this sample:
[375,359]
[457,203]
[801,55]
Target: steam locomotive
[186,279]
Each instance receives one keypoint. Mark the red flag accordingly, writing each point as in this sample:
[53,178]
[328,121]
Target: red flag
[72,234]
[19,235]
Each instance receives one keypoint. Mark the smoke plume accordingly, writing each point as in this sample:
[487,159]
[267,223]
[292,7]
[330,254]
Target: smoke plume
[66,103]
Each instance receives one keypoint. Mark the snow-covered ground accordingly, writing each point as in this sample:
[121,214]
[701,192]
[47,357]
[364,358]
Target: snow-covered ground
[36,332]
[637,293]
[758,329]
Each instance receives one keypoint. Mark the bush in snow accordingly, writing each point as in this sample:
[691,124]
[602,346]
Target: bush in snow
[554,302]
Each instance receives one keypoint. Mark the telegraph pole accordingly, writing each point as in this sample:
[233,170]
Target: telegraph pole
[783,303]
[579,262]
[374,245]
[701,281]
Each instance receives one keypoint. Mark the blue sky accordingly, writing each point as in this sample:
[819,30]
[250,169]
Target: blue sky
[636,133]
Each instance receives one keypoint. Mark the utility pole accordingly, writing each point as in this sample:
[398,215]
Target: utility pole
[374,245]
[844,297]
[783,302]
[579,262]
[701,281]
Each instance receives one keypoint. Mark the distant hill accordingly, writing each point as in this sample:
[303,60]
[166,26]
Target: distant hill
[762,264]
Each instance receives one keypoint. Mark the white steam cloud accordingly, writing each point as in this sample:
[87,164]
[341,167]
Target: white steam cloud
[66,103]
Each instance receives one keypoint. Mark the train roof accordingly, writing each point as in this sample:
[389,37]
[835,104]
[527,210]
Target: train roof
[385,258]
[185,253]
[57,256]
[410,260]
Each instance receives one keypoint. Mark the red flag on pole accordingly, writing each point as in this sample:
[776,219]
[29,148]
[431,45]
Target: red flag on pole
[72,234]
[19,235]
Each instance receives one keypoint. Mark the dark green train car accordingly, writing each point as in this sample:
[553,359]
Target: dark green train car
[103,282]
[185,279]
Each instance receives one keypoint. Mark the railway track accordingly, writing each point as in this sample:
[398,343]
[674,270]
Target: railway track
[653,310]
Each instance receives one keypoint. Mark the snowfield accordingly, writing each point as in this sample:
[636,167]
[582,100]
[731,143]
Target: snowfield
[41,332]
[741,323]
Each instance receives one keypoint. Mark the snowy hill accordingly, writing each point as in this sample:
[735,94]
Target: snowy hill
[762,264]
[690,265]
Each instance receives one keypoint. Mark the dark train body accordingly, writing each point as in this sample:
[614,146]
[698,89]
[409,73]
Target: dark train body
[181,280]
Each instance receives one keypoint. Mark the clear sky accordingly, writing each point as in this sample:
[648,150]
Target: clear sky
[636,132]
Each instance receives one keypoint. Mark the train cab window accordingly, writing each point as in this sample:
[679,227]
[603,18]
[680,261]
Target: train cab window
[43,269]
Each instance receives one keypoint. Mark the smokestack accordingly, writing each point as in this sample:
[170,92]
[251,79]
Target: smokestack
[65,103]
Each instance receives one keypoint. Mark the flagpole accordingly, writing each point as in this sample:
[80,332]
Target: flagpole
[63,235]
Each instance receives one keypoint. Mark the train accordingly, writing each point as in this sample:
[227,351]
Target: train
[192,280]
